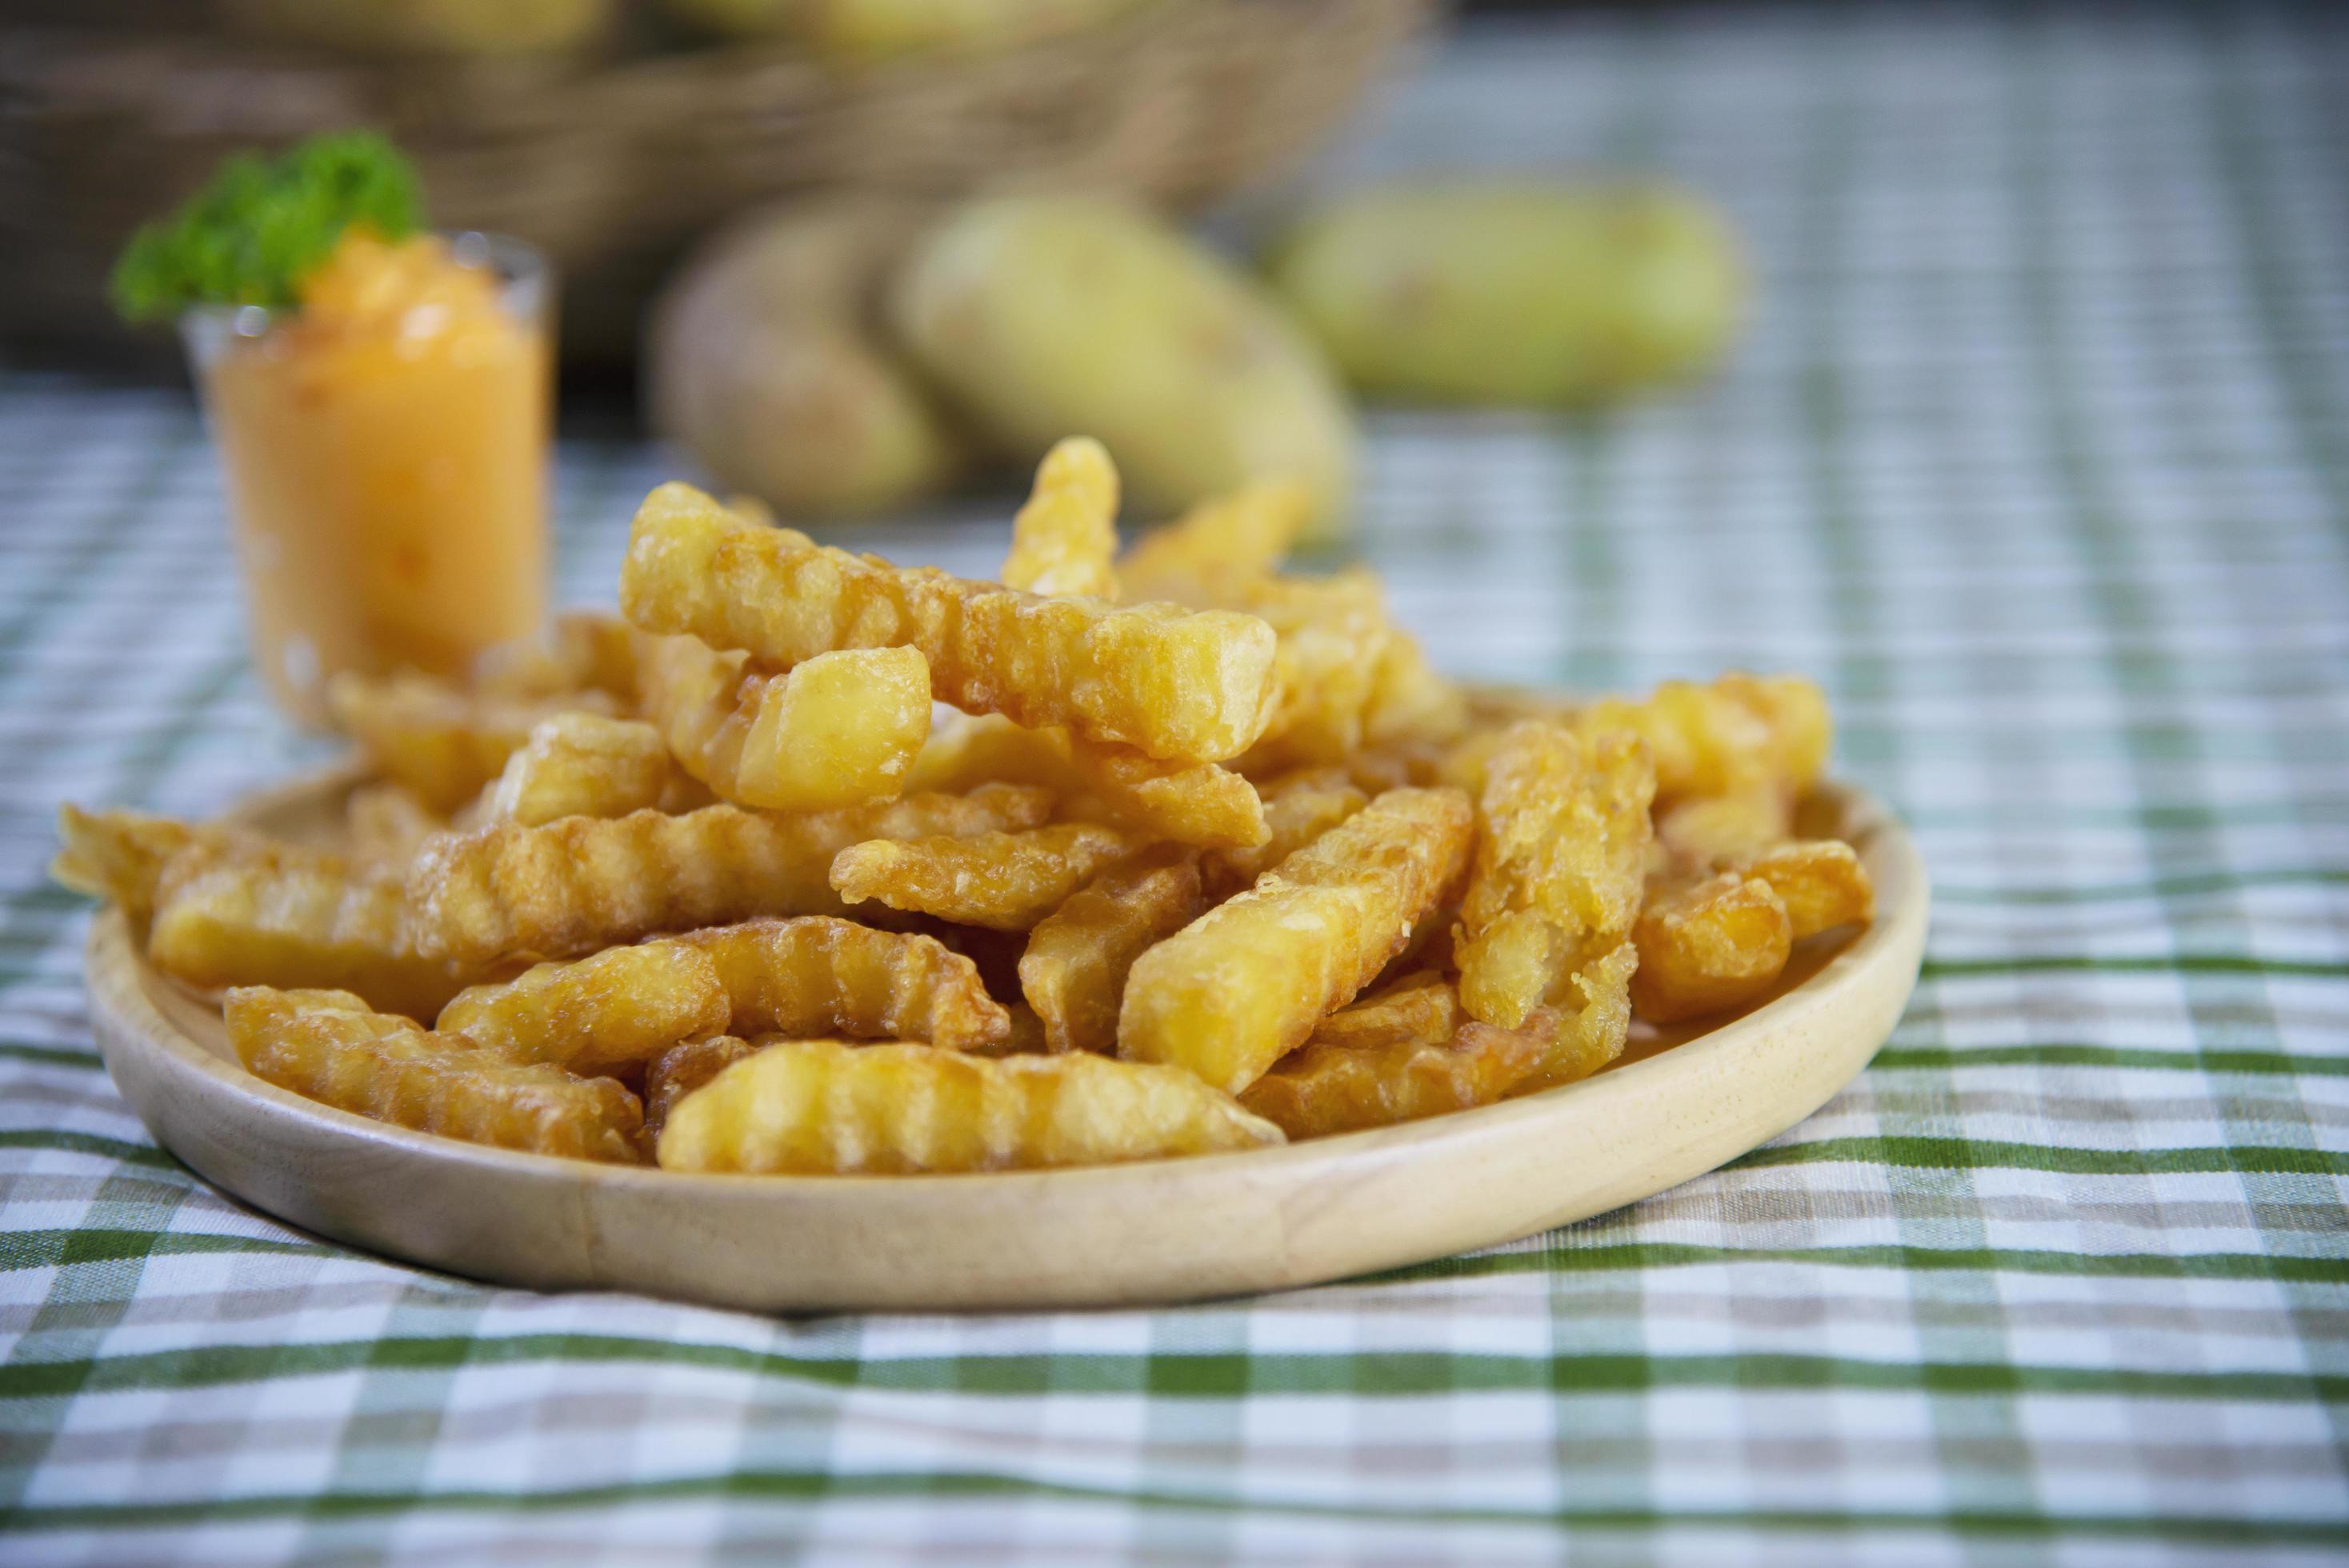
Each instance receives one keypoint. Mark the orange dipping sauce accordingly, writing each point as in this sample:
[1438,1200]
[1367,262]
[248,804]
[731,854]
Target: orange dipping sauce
[385,449]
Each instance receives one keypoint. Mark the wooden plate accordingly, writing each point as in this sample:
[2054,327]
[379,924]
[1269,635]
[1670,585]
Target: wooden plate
[1675,1107]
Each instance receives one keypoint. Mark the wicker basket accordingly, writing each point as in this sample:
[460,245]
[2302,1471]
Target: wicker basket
[613,164]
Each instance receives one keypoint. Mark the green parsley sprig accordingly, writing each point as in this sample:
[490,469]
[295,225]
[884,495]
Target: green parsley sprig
[262,224]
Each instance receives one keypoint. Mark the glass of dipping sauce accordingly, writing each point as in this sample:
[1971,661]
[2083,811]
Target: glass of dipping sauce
[385,445]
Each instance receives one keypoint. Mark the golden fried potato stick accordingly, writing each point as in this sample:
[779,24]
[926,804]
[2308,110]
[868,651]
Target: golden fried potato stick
[1073,972]
[822,1107]
[1410,704]
[598,1015]
[1421,1009]
[817,976]
[1219,548]
[840,729]
[327,1045]
[1585,1029]
[386,824]
[1561,865]
[1298,808]
[684,1068]
[581,765]
[1191,803]
[1332,636]
[1245,983]
[119,856]
[1330,1088]
[1821,882]
[235,910]
[1700,833]
[1005,881]
[442,741]
[1184,685]
[585,882]
[1739,731]
[1064,539]
[582,650]
[1708,946]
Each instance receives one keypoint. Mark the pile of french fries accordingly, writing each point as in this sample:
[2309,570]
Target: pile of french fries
[1209,859]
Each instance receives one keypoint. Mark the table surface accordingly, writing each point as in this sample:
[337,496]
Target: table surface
[2038,456]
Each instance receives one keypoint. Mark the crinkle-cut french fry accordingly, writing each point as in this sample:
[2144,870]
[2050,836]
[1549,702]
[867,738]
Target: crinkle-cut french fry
[386,824]
[1219,548]
[1193,686]
[817,976]
[1419,1008]
[1245,983]
[1191,803]
[120,855]
[1298,808]
[1561,863]
[1739,731]
[581,765]
[1709,947]
[1584,1030]
[1701,833]
[585,882]
[1822,882]
[442,741]
[233,910]
[684,1068]
[822,1107]
[597,1014]
[582,650]
[1328,1087]
[1065,538]
[327,1047]
[841,729]
[1005,881]
[1073,972]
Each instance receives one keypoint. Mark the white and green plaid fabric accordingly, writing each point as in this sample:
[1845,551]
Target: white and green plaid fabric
[2038,456]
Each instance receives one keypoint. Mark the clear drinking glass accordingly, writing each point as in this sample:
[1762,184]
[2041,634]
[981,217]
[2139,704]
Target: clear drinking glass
[386,458]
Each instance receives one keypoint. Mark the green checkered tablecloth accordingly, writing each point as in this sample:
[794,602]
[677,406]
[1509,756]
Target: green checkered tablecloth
[2038,456]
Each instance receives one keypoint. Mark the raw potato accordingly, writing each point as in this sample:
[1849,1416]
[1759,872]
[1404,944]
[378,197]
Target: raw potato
[423,26]
[868,32]
[763,361]
[1514,294]
[1043,315]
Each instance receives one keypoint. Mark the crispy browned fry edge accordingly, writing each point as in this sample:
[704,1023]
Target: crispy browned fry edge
[1709,947]
[682,1069]
[1073,972]
[601,1014]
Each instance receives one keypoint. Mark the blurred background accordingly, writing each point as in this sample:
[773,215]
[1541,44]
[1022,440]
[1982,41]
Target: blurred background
[1559,309]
